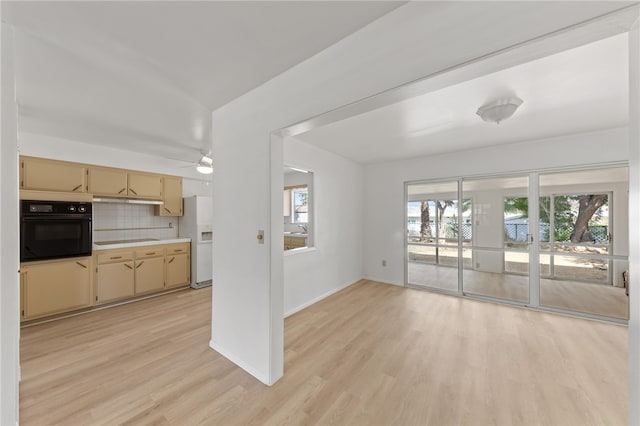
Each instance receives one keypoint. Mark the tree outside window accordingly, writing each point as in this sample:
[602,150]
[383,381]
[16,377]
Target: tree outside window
[300,207]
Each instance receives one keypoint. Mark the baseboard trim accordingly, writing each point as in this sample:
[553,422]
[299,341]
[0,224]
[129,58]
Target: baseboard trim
[319,298]
[237,361]
[380,280]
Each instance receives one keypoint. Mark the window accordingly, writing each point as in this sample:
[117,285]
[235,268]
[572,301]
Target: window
[300,205]
[298,208]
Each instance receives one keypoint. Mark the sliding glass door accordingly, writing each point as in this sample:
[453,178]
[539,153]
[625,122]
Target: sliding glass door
[584,246]
[499,266]
[432,235]
[485,237]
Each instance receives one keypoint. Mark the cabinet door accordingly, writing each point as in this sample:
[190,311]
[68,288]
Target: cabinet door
[145,185]
[56,287]
[172,196]
[178,270]
[23,275]
[105,181]
[149,274]
[114,281]
[50,175]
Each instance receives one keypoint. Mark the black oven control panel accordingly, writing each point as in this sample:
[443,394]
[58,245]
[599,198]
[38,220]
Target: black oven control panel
[45,208]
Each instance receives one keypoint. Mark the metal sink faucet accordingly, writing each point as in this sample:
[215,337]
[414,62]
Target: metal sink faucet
[304,227]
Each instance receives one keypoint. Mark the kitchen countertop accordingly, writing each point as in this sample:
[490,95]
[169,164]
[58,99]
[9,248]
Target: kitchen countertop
[295,234]
[109,245]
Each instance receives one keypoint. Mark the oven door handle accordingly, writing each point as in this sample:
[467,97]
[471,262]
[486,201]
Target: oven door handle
[83,217]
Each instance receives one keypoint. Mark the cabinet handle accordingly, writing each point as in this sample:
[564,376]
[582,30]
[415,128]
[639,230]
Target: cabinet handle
[140,264]
[149,254]
[115,257]
[77,187]
[177,250]
[84,266]
[172,259]
[128,266]
[134,192]
[166,210]
[122,190]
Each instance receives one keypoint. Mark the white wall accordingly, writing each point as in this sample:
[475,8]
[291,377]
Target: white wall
[407,44]
[336,260]
[634,223]
[384,185]
[9,225]
[38,145]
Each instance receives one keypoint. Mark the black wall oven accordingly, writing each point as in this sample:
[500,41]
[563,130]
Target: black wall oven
[54,229]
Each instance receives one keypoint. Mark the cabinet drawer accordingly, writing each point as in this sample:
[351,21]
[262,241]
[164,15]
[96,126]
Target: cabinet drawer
[152,251]
[178,248]
[115,256]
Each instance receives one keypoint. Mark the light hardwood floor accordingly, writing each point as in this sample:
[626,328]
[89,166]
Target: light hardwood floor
[370,354]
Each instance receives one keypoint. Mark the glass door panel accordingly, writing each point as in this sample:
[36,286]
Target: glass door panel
[432,235]
[499,238]
[581,263]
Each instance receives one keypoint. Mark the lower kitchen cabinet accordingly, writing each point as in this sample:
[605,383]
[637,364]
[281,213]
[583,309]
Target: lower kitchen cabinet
[178,268]
[125,273]
[149,275]
[115,281]
[294,242]
[53,287]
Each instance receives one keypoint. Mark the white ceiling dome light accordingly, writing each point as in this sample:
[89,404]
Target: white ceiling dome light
[499,110]
[205,165]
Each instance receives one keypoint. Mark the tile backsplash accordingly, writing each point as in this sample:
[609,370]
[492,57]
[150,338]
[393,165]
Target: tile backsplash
[130,221]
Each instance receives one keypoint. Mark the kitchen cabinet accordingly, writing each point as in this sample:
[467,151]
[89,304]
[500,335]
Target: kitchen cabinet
[115,276]
[177,265]
[294,242]
[41,174]
[144,185]
[23,274]
[53,287]
[107,181]
[171,197]
[125,273]
[149,274]
[51,175]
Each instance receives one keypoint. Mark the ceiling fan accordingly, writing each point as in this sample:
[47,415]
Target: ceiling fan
[204,165]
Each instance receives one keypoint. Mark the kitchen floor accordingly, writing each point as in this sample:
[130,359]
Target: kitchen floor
[370,354]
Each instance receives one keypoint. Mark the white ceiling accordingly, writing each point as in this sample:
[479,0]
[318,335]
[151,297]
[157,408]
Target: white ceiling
[579,90]
[145,76]
[213,50]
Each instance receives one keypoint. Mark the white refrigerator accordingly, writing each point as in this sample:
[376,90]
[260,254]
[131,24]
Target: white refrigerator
[196,224]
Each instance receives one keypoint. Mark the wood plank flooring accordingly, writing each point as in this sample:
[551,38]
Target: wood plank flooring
[370,354]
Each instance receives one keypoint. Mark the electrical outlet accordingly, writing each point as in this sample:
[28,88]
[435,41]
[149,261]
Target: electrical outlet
[384,262]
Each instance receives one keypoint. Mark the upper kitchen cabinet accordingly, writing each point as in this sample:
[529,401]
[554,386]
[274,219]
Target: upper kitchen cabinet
[51,175]
[171,197]
[107,182]
[145,185]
